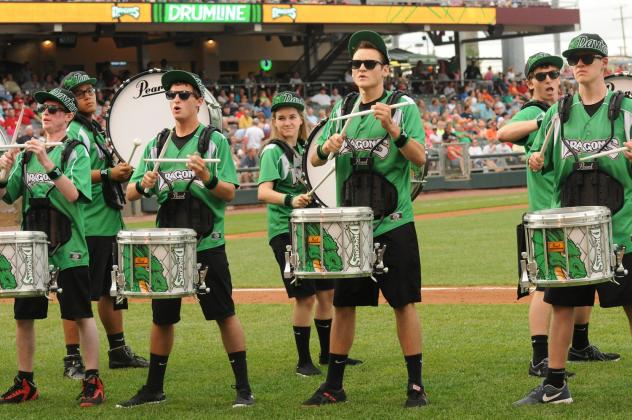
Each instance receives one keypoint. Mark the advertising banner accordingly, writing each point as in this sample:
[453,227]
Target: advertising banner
[206,13]
[47,12]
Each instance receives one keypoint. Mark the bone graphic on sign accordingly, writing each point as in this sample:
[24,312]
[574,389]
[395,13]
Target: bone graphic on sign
[278,12]
[117,12]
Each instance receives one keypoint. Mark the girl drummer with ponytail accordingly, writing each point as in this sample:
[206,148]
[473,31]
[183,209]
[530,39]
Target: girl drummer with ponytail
[281,187]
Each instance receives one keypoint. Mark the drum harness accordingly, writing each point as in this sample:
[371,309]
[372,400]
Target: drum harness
[587,185]
[183,209]
[366,187]
[112,191]
[42,215]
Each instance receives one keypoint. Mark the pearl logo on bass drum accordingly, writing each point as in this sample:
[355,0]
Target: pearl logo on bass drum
[144,89]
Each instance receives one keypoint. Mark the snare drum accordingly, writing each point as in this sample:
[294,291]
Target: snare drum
[332,242]
[156,263]
[24,270]
[569,246]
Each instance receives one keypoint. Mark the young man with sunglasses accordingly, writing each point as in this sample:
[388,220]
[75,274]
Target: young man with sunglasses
[55,186]
[374,158]
[543,79]
[180,186]
[585,129]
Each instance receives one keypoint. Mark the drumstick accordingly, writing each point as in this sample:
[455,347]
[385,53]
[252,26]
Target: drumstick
[178,160]
[369,111]
[137,142]
[605,153]
[547,137]
[15,137]
[162,155]
[23,146]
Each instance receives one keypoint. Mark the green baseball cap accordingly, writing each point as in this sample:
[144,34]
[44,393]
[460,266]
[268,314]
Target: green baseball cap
[542,59]
[181,76]
[63,96]
[287,98]
[369,36]
[76,78]
[587,42]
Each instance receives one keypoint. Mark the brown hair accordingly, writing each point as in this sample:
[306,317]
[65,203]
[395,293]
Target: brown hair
[368,45]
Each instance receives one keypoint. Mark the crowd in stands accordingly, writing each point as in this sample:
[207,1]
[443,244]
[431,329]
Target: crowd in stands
[460,117]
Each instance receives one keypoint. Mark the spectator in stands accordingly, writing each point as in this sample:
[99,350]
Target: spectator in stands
[10,121]
[489,74]
[311,118]
[4,93]
[27,135]
[321,98]
[11,86]
[493,146]
[244,116]
[253,136]
[296,80]
[472,71]
[32,85]
[50,82]
[510,76]
[249,161]
[335,95]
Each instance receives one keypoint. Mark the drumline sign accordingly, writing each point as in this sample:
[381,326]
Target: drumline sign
[206,13]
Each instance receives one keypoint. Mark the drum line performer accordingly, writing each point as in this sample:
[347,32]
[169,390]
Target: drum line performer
[55,186]
[103,220]
[192,195]
[593,119]
[374,161]
[543,79]
[281,187]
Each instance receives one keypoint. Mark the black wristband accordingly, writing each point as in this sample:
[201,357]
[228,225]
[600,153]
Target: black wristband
[55,173]
[320,153]
[288,200]
[212,182]
[401,140]
[105,174]
[141,190]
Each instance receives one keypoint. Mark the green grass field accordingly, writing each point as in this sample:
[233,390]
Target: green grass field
[475,356]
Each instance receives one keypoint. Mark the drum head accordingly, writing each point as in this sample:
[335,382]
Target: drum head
[139,110]
[622,82]
[325,195]
[418,178]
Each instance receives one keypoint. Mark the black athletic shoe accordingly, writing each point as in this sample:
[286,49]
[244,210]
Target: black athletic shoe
[124,357]
[323,396]
[416,397]
[22,391]
[591,354]
[307,370]
[244,398]
[547,394]
[74,368]
[142,397]
[350,362]
[539,370]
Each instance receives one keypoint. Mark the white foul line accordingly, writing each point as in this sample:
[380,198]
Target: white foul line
[428,289]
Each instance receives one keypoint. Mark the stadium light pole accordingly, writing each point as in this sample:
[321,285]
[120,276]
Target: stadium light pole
[622,19]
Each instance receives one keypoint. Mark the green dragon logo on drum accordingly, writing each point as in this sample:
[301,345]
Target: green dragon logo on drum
[331,258]
[7,279]
[553,254]
[142,267]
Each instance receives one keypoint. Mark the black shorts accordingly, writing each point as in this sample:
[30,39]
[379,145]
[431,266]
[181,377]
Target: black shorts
[216,305]
[305,287]
[610,294]
[74,300]
[101,250]
[400,286]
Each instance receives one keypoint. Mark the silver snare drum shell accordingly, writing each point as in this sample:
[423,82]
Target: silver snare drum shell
[569,246]
[158,263]
[332,242]
[23,264]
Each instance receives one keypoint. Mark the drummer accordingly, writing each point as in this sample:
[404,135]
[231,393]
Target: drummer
[382,146]
[103,221]
[56,187]
[207,189]
[543,79]
[588,128]
[281,187]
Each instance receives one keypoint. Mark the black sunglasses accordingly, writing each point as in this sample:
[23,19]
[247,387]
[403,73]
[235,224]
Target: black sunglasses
[587,59]
[183,94]
[368,64]
[52,109]
[541,77]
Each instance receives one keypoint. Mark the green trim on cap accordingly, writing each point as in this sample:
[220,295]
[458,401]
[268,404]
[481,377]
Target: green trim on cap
[174,76]
[287,98]
[76,78]
[369,36]
[587,42]
[541,59]
[63,96]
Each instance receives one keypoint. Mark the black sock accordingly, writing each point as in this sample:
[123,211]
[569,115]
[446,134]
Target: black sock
[336,370]
[72,349]
[580,336]
[413,365]
[25,375]
[555,377]
[92,372]
[301,336]
[540,347]
[116,340]
[323,327]
[240,369]
[156,375]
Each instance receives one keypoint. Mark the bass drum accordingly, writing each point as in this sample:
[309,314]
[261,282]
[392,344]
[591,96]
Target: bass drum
[620,81]
[140,110]
[325,195]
